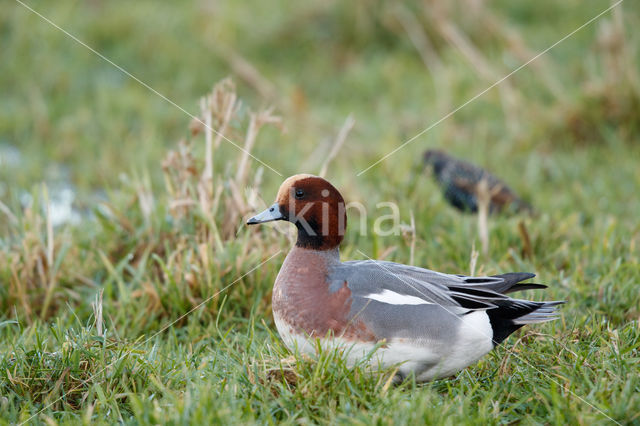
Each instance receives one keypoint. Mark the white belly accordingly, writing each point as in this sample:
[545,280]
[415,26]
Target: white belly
[428,360]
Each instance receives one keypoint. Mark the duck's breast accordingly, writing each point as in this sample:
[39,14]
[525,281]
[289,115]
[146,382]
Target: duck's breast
[306,304]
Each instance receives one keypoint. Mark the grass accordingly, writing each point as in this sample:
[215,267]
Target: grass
[85,305]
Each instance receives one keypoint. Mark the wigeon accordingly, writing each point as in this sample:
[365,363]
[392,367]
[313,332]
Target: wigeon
[459,182]
[428,323]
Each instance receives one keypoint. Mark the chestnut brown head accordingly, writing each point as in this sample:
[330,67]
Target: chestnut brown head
[314,206]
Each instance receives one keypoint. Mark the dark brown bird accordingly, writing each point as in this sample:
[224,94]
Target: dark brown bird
[460,182]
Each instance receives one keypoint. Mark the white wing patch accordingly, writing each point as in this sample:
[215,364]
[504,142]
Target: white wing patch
[393,298]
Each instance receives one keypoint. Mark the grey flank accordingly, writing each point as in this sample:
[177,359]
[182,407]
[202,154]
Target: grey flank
[449,297]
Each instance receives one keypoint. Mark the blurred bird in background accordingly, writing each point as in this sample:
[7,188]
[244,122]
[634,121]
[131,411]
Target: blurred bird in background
[464,185]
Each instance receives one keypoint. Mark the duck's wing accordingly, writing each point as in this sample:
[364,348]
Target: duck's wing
[372,278]
[396,299]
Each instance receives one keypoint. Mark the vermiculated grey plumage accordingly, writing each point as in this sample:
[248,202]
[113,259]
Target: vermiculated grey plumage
[460,180]
[451,297]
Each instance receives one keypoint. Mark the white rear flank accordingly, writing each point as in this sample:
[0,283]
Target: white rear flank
[473,341]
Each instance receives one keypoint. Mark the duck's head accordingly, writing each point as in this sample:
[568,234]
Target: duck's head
[436,159]
[314,206]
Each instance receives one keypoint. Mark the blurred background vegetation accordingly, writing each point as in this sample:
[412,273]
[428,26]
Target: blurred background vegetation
[133,212]
[397,67]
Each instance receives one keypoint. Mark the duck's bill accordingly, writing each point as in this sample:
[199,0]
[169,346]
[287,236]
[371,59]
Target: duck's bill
[269,215]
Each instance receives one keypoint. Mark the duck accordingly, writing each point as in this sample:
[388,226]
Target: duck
[459,181]
[423,323]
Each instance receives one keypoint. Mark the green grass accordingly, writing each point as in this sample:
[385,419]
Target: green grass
[563,132]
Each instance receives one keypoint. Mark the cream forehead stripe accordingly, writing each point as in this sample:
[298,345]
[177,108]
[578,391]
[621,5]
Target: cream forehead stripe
[288,183]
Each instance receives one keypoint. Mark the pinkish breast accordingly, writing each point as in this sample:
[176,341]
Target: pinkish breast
[301,297]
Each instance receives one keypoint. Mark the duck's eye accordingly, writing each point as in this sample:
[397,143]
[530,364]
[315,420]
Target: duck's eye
[299,194]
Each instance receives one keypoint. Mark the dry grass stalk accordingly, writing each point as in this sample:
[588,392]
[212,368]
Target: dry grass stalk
[210,200]
[49,275]
[419,38]
[339,141]
[500,29]
[618,56]
[457,38]
[7,212]
[484,198]
[257,121]
[473,260]
[201,190]
[96,306]
[237,204]
[612,96]
[413,238]
[179,169]
[428,54]
[249,73]
[32,261]
[484,195]
[438,17]
[409,233]
[386,252]
[145,197]
[527,251]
